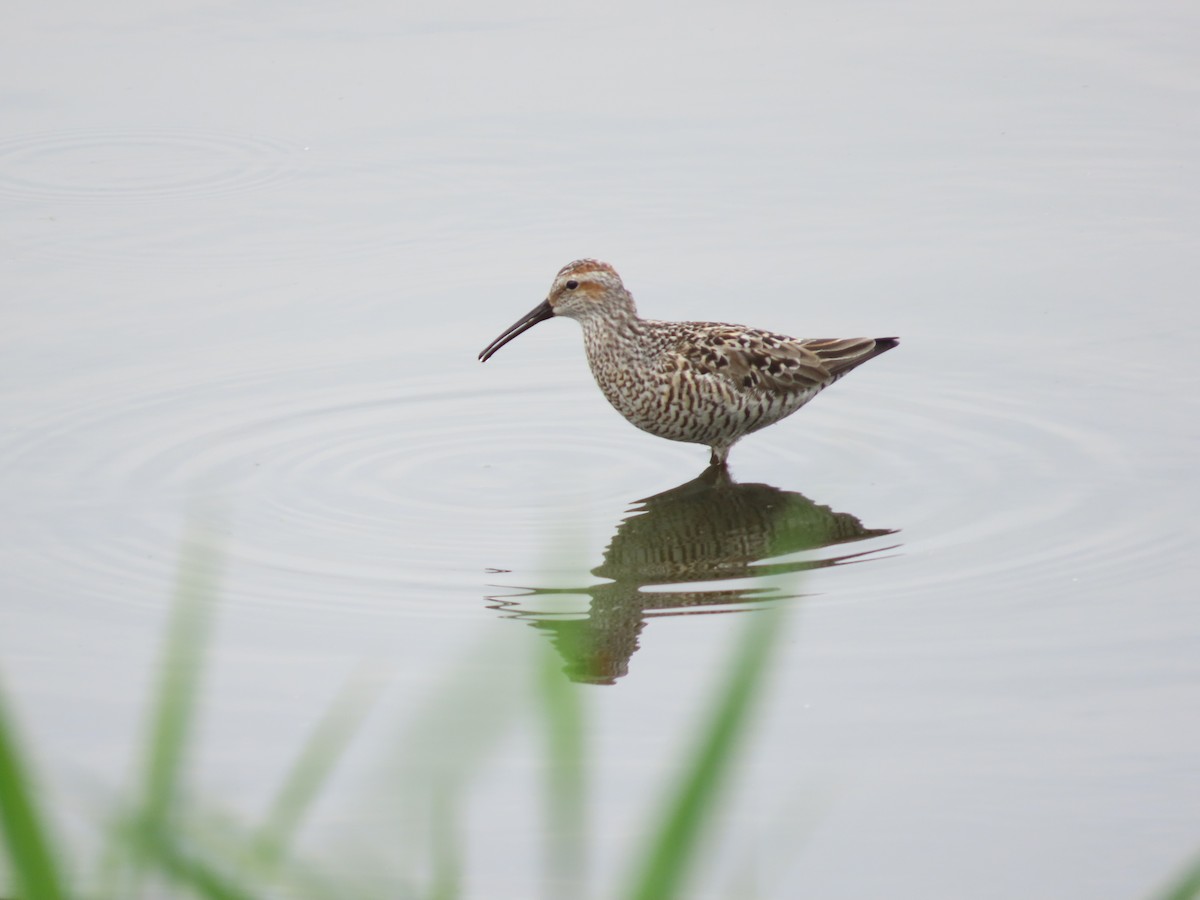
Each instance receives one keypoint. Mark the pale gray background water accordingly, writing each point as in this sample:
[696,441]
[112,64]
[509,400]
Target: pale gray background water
[248,253]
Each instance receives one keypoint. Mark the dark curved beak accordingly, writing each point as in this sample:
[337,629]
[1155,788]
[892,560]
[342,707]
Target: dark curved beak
[539,313]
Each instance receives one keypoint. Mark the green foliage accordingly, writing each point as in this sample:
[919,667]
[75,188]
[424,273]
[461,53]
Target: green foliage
[1186,886]
[36,871]
[562,717]
[163,843]
[690,808]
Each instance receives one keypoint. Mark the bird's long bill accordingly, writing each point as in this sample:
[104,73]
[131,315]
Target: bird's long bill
[539,313]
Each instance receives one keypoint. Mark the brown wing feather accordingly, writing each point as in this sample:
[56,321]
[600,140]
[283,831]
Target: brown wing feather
[840,355]
[751,358]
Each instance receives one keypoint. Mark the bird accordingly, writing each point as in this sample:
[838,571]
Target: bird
[706,383]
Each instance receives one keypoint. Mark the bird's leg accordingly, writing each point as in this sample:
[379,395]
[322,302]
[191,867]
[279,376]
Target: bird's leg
[719,455]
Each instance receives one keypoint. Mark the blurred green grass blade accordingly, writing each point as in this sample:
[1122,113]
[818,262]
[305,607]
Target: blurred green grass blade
[184,870]
[310,772]
[561,710]
[447,843]
[443,747]
[171,721]
[1186,886]
[36,872]
[673,850]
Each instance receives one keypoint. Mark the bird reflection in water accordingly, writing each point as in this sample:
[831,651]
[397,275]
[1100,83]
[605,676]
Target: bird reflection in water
[705,530]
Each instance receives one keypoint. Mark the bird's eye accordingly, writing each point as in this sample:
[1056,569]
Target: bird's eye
[571,285]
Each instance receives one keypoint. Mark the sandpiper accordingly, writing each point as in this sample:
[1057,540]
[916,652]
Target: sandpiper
[697,382]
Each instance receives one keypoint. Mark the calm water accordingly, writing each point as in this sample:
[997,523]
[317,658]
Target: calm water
[249,253]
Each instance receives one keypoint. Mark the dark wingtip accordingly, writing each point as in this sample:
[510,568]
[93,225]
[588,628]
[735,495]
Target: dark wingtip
[885,344]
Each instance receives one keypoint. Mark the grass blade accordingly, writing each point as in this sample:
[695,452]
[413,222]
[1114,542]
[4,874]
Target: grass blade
[447,847]
[170,726]
[36,872]
[672,851]
[309,774]
[562,714]
[188,871]
[1186,886]
[441,750]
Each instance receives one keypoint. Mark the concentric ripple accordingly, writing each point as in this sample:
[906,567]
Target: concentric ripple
[391,484]
[986,482]
[172,200]
[343,483]
[996,486]
[128,166]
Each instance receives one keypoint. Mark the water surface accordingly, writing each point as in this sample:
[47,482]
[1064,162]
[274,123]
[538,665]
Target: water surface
[250,254]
